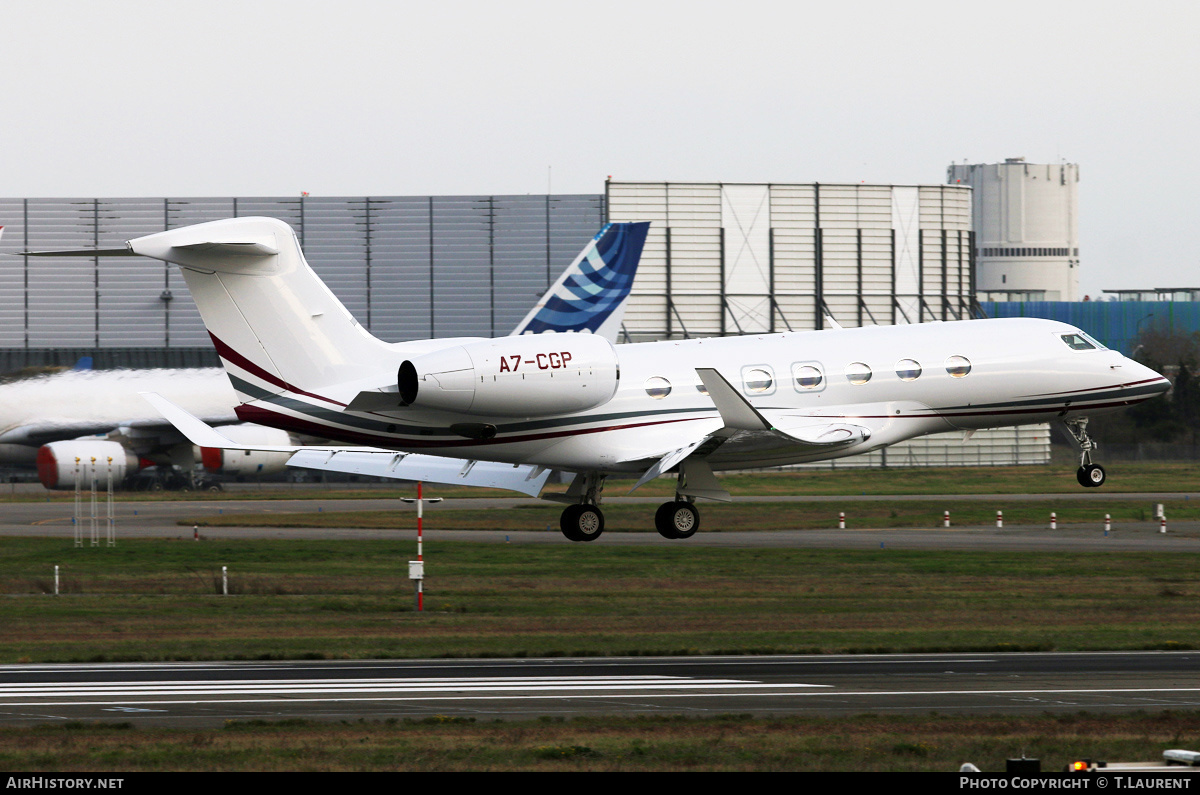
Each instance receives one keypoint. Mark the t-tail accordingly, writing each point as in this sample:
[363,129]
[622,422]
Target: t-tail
[592,293]
[275,324]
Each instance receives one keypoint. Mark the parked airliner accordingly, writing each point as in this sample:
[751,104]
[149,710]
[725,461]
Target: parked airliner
[504,411]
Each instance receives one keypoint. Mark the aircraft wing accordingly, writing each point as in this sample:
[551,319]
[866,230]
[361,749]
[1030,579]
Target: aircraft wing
[372,461]
[742,419]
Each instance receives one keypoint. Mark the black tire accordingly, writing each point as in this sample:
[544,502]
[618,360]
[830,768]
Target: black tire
[1094,475]
[677,519]
[581,522]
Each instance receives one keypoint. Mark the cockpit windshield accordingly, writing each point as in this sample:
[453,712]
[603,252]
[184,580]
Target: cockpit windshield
[1080,341]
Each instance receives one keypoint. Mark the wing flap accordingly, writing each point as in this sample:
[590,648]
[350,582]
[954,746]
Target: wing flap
[524,478]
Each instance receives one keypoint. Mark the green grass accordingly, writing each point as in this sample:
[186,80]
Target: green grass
[157,599]
[652,743]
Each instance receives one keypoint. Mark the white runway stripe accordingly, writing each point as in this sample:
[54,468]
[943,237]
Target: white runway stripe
[350,686]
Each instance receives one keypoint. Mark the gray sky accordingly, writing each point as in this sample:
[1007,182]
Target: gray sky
[355,97]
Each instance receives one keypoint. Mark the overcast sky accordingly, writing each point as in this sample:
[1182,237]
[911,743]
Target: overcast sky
[352,97]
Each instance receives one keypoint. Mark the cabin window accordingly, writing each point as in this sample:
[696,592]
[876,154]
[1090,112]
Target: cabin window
[1077,342]
[807,376]
[858,373]
[758,380]
[908,370]
[658,387]
[958,366]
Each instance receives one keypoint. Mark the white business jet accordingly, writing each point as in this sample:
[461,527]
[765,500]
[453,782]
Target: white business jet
[502,412]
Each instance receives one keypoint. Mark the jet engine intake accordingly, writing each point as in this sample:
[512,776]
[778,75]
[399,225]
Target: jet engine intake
[58,463]
[527,376]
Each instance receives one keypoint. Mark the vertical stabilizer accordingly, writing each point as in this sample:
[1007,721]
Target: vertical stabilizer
[592,292]
[275,324]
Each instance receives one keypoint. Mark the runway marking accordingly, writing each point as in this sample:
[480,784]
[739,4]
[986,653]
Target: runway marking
[516,689]
[536,686]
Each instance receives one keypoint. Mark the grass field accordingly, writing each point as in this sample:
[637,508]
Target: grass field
[158,599]
[721,743]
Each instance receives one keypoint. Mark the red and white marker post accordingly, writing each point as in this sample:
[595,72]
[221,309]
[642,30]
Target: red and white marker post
[416,568]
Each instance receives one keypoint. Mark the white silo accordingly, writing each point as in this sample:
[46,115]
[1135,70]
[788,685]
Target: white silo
[1026,222]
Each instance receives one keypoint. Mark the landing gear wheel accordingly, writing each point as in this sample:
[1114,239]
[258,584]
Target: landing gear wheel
[582,522]
[677,519]
[1091,476]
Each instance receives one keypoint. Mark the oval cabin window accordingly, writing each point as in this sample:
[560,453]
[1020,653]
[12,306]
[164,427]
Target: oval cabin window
[958,366]
[908,370]
[658,387]
[808,377]
[858,373]
[758,380]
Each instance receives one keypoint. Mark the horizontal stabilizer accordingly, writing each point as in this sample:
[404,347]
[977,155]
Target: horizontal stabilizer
[429,468]
[81,252]
[242,248]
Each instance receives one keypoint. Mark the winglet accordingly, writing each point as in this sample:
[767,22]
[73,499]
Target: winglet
[736,411]
[196,430]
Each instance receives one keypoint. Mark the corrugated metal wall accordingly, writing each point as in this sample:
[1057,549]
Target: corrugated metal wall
[408,267]
[746,258]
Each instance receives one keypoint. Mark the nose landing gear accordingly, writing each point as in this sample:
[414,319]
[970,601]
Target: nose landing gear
[1089,475]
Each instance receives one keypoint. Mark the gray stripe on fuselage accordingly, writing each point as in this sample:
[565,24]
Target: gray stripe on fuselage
[392,427]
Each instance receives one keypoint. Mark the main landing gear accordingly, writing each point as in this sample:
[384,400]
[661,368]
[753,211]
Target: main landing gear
[678,519]
[582,519]
[1089,475]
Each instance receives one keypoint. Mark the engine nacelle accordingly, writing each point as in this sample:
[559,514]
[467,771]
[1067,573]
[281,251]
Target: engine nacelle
[56,463]
[247,462]
[526,376]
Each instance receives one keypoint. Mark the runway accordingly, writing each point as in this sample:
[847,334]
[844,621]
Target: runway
[209,694]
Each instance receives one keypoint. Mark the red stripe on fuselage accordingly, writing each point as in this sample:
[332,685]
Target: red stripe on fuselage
[233,357]
[258,414]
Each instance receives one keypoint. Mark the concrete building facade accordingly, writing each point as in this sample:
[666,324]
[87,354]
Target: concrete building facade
[1026,222]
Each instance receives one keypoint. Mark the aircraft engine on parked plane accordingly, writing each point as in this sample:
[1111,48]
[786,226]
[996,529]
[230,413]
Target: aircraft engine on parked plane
[247,462]
[525,376]
[58,462]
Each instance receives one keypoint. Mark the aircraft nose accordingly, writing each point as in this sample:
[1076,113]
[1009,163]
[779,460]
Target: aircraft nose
[1144,379]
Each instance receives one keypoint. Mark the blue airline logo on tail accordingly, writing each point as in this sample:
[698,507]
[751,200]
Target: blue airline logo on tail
[593,290]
